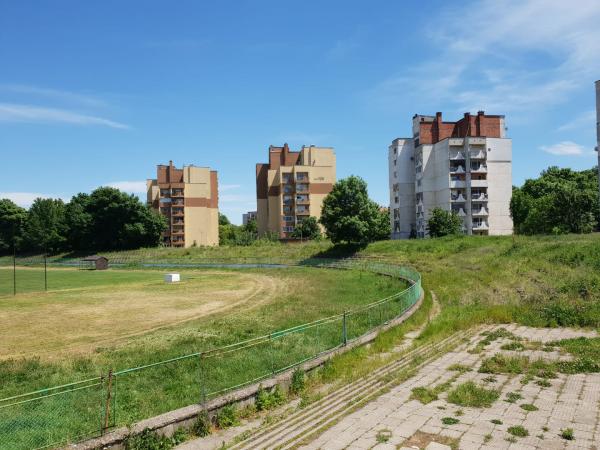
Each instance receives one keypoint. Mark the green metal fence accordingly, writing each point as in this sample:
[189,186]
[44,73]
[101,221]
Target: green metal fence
[72,412]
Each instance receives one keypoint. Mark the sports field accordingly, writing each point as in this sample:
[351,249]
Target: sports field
[89,321]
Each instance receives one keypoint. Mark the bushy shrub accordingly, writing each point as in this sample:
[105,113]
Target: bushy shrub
[227,417]
[298,383]
[202,425]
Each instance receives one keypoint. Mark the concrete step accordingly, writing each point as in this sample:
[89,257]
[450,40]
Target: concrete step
[291,430]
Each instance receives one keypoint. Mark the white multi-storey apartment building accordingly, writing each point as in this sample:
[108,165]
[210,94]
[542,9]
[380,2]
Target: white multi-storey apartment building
[598,127]
[463,166]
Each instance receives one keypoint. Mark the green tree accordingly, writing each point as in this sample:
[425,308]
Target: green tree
[79,222]
[444,223]
[109,219]
[223,220]
[349,216]
[46,228]
[251,226]
[307,229]
[558,201]
[12,220]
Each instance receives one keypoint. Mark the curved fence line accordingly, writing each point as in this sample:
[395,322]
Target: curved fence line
[88,408]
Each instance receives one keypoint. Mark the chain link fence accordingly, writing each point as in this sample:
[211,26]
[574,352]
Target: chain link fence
[65,414]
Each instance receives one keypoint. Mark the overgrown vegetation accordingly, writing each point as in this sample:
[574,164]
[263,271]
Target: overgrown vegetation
[151,440]
[469,394]
[567,434]
[518,431]
[266,400]
[559,201]
[450,420]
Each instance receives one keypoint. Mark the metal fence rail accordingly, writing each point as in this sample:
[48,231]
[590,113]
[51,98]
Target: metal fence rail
[72,412]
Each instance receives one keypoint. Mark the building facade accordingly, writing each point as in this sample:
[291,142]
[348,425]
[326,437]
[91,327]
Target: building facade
[463,166]
[598,129]
[248,217]
[188,198]
[292,186]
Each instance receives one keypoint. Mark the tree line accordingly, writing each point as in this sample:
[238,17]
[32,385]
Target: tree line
[106,219]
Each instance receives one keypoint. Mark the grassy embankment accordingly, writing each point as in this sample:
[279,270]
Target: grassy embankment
[540,281]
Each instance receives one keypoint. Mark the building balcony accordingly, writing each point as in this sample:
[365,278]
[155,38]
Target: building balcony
[461,212]
[480,213]
[458,169]
[177,232]
[457,156]
[479,198]
[480,169]
[302,200]
[480,226]
[177,213]
[302,188]
[301,178]
[478,155]
[457,198]
[303,212]
[457,184]
[479,183]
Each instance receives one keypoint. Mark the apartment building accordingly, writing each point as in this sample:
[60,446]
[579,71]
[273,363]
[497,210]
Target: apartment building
[188,198]
[292,186]
[248,217]
[463,166]
[598,128]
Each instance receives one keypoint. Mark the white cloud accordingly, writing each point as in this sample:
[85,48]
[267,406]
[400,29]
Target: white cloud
[515,55]
[566,148]
[55,94]
[10,112]
[586,119]
[133,187]
[25,199]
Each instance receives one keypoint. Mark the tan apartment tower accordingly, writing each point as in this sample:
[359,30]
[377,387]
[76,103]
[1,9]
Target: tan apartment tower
[463,166]
[188,198]
[292,186]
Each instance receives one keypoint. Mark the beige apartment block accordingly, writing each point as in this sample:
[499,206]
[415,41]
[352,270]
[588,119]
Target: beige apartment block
[188,198]
[292,186]
[463,166]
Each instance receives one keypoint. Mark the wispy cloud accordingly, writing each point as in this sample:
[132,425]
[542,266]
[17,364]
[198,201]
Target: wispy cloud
[133,187]
[54,94]
[25,199]
[12,112]
[487,65]
[586,119]
[566,148]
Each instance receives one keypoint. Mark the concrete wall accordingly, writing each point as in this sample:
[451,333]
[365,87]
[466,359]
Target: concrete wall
[499,163]
[401,175]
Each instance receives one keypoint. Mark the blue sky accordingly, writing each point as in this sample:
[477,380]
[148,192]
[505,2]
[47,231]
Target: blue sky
[97,93]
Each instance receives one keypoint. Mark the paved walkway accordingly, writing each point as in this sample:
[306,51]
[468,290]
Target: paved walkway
[570,402]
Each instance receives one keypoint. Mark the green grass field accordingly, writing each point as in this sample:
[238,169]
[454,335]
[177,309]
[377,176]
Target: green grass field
[125,318]
[539,281]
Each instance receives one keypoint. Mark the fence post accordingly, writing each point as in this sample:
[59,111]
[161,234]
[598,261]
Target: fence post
[344,330]
[202,383]
[14,269]
[108,398]
[45,272]
[272,353]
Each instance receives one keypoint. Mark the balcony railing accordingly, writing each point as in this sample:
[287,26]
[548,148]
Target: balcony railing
[481,212]
[479,169]
[457,157]
[458,169]
[480,226]
[479,197]
[478,155]
[457,198]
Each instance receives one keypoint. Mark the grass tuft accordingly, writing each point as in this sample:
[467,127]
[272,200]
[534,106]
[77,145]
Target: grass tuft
[518,431]
[469,394]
